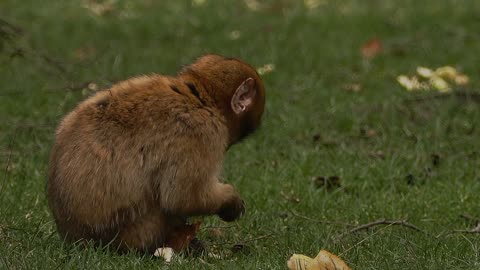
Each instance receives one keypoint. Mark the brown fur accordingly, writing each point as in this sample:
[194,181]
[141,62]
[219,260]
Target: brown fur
[131,163]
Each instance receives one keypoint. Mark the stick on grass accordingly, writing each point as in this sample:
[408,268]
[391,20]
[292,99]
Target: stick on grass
[403,223]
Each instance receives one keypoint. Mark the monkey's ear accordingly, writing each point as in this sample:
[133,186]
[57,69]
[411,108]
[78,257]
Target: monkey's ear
[243,97]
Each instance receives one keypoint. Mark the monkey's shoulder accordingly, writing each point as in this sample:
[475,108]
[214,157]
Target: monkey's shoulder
[147,104]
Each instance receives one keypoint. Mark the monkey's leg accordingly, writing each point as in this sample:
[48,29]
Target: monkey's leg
[148,232]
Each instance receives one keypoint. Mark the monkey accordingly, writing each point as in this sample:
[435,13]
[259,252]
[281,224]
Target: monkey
[130,164]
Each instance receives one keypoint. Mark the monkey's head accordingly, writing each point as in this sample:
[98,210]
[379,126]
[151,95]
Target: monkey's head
[236,89]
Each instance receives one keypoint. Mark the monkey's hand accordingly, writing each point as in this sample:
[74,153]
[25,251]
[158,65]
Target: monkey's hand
[232,209]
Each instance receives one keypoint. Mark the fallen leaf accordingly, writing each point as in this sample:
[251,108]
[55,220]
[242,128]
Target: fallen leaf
[265,69]
[198,2]
[377,154]
[352,87]
[440,79]
[461,79]
[435,159]
[371,48]
[329,183]
[313,4]
[182,236]
[409,83]
[446,72]
[410,179]
[317,137]
[216,232]
[234,35]
[253,5]
[368,132]
[324,261]
[440,84]
[425,72]
[99,8]
[83,53]
[291,197]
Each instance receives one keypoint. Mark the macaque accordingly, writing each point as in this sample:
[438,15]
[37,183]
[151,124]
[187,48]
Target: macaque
[131,163]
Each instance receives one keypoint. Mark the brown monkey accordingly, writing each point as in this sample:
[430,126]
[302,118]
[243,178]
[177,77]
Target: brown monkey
[131,163]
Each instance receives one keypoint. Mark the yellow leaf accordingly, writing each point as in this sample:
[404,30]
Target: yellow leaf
[446,72]
[439,84]
[425,72]
[323,261]
[266,69]
[462,79]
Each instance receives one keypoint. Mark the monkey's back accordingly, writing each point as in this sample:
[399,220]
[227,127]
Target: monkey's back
[117,148]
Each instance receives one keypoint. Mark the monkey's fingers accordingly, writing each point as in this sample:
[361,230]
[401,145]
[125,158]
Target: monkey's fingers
[232,210]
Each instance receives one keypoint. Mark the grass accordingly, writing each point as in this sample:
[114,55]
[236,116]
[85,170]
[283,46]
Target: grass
[417,161]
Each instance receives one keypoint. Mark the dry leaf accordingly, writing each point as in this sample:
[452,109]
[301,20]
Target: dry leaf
[446,72]
[313,4]
[425,72]
[461,79]
[182,236]
[440,79]
[439,84]
[291,197]
[372,48]
[198,2]
[234,35]
[216,232]
[253,4]
[324,261]
[99,8]
[84,52]
[409,83]
[266,69]
[352,87]
[377,154]
[329,183]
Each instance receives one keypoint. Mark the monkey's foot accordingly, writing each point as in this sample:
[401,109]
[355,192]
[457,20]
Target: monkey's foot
[182,237]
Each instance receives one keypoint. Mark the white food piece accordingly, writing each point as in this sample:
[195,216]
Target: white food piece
[166,253]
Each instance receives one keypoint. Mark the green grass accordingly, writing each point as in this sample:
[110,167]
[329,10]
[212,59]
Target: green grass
[312,125]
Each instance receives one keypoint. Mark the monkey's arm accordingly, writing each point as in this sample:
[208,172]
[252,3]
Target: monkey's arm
[197,196]
[189,182]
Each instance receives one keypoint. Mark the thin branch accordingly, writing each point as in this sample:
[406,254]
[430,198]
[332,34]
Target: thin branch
[470,218]
[17,30]
[382,222]
[320,221]
[460,94]
[244,241]
[217,227]
[474,230]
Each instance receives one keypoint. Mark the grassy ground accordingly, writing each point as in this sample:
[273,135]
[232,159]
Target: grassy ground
[395,159]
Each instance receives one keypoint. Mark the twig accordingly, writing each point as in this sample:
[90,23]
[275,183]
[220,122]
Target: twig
[258,238]
[382,222]
[471,231]
[320,221]
[461,94]
[217,227]
[244,241]
[474,230]
[470,218]
[17,30]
